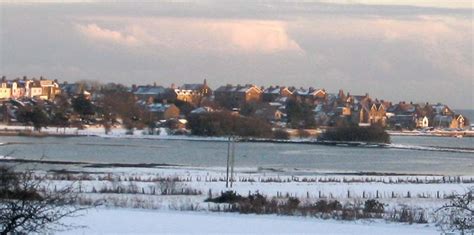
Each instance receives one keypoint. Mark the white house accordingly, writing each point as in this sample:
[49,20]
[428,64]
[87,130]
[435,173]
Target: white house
[422,122]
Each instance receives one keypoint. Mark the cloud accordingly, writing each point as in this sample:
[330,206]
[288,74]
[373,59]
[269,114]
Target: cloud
[393,45]
[259,36]
[94,32]
[403,50]
[196,35]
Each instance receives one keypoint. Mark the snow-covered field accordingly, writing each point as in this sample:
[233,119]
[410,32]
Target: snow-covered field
[135,221]
[140,206]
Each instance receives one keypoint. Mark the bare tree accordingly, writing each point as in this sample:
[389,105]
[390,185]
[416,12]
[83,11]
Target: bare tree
[458,214]
[29,204]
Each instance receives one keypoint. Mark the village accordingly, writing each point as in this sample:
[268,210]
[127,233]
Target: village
[299,111]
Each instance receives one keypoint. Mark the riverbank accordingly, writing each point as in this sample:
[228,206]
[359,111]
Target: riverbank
[434,133]
[6,130]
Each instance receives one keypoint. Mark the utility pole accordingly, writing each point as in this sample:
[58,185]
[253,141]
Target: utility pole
[230,161]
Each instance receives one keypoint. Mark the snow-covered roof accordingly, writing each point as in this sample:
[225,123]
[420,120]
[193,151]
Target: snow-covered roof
[150,90]
[202,110]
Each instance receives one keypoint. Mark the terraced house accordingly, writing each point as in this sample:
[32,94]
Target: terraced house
[44,89]
[231,96]
[191,93]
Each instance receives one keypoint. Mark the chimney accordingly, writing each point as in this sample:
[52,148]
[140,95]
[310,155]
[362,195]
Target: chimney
[154,84]
[205,82]
[173,86]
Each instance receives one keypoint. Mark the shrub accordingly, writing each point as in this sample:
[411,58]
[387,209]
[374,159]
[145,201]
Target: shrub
[406,216]
[281,134]
[457,214]
[373,206]
[291,206]
[302,133]
[355,133]
[326,207]
[225,123]
[226,197]
[27,207]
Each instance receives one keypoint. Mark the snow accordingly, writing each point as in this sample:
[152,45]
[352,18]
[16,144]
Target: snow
[133,221]
[6,157]
[394,195]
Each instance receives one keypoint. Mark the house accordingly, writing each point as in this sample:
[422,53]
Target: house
[360,114]
[377,114]
[148,92]
[317,95]
[360,109]
[160,111]
[402,115]
[15,89]
[442,121]
[44,89]
[358,99]
[444,117]
[422,122]
[457,122]
[34,89]
[343,111]
[310,95]
[50,89]
[270,113]
[231,96]
[441,109]
[200,88]
[271,93]
[5,89]
[191,93]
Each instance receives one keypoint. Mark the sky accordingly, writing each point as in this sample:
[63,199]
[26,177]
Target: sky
[398,50]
